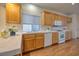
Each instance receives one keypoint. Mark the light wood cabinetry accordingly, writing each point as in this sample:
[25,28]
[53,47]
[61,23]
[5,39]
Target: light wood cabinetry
[39,40]
[13,13]
[49,18]
[55,38]
[33,41]
[68,35]
[46,18]
[69,20]
[64,20]
[28,42]
[53,19]
[57,17]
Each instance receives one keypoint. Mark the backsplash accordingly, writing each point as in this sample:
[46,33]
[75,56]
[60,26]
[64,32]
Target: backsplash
[43,28]
[16,26]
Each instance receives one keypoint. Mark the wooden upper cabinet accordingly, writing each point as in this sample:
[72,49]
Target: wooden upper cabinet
[46,18]
[49,18]
[13,13]
[53,19]
[64,20]
[69,20]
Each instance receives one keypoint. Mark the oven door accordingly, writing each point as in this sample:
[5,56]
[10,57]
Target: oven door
[61,36]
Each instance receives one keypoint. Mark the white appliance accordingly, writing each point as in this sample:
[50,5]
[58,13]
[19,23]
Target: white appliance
[48,39]
[61,36]
[60,29]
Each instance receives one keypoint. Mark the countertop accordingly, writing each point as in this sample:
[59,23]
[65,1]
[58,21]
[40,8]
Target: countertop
[38,32]
[10,44]
[48,31]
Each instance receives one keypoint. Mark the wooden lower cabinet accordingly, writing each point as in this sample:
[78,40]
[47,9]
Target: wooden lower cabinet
[29,44]
[68,35]
[39,42]
[55,38]
[33,41]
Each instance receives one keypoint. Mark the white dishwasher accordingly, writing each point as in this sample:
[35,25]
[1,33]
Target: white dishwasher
[48,39]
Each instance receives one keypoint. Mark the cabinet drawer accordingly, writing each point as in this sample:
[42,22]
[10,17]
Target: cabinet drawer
[39,34]
[27,36]
[39,38]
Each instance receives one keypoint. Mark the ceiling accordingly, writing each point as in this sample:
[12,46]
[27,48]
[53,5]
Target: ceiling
[66,8]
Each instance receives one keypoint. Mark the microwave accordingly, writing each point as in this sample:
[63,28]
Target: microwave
[58,23]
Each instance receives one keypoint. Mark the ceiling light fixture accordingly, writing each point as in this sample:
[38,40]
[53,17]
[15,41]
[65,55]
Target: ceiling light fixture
[73,3]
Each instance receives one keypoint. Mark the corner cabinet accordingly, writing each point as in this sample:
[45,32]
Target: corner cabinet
[13,13]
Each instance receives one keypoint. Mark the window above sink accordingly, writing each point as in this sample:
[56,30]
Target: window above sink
[30,23]
[30,28]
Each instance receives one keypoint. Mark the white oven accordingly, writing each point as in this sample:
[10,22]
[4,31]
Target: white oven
[58,26]
[61,36]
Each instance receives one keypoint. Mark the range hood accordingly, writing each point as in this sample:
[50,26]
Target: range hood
[58,23]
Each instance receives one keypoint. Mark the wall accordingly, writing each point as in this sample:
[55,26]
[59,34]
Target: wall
[26,8]
[74,26]
[78,26]
[5,47]
[2,17]
[34,10]
[3,24]
[31,9]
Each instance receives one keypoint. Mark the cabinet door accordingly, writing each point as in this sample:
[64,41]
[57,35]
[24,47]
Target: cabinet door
[68,35]
[48,19]
[53,19]
[56,17]
[55,38]
[13,13]
[64,20]
[29,44]
[39,42]
[69,20]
